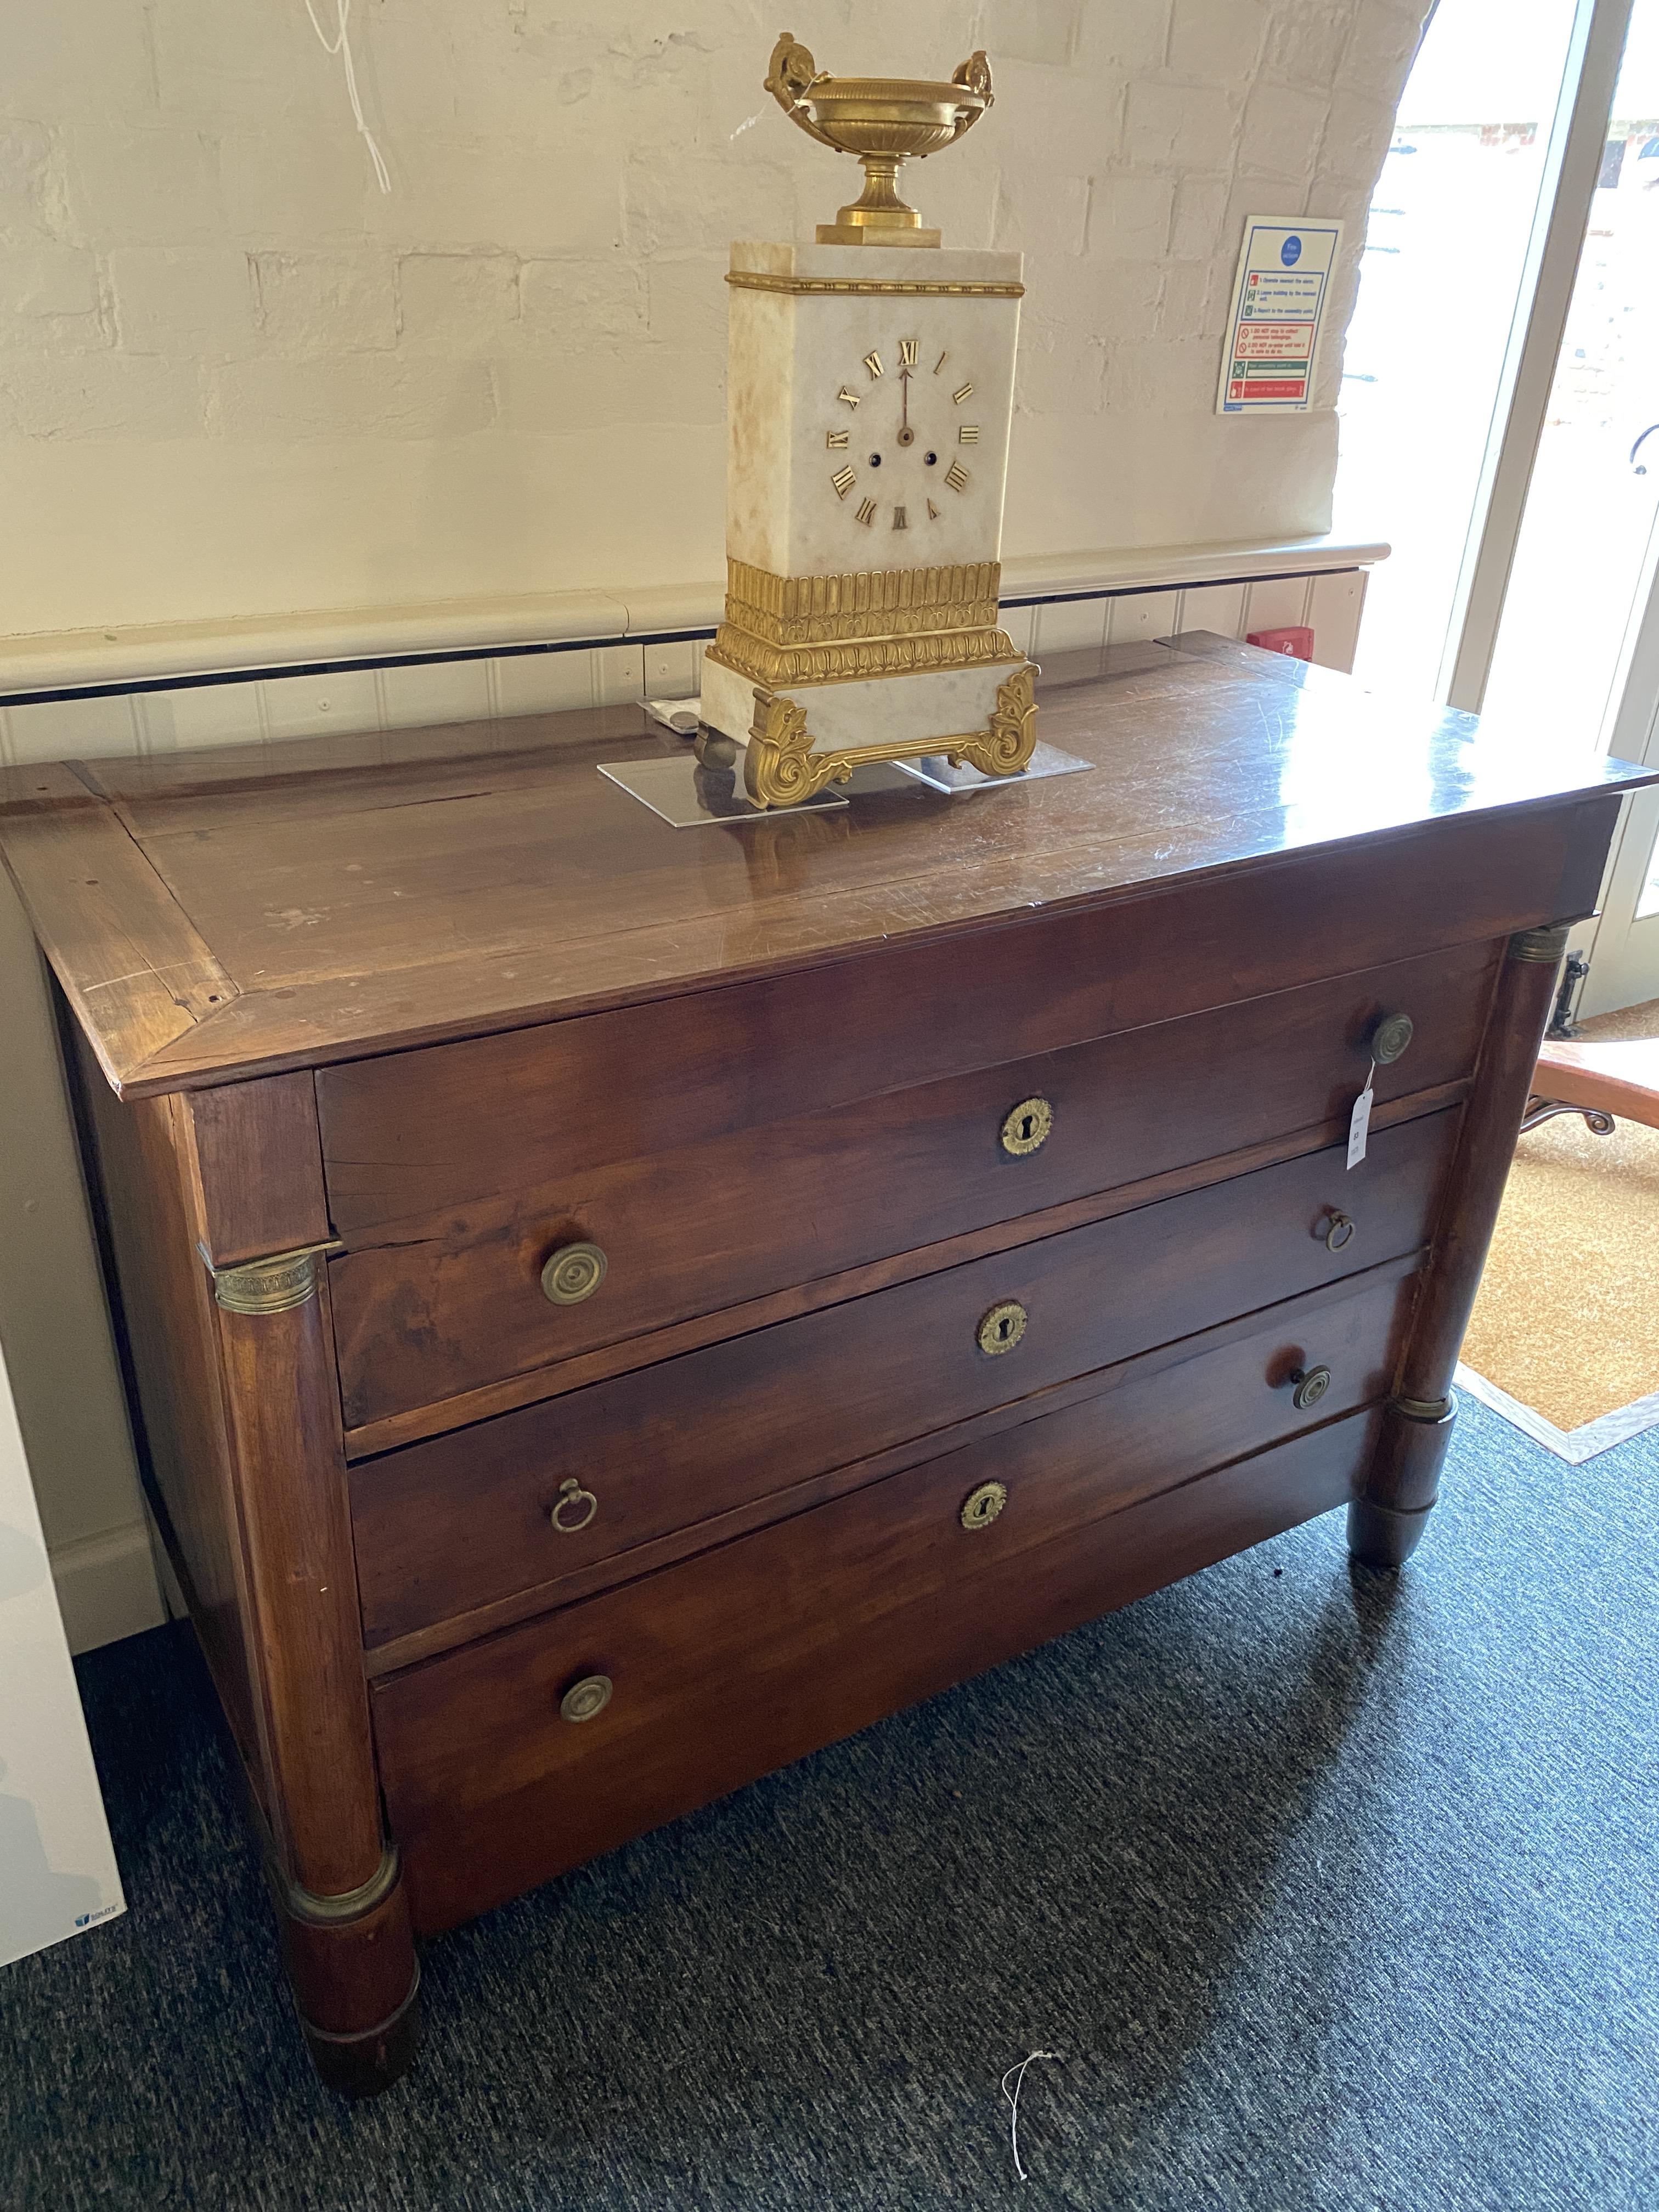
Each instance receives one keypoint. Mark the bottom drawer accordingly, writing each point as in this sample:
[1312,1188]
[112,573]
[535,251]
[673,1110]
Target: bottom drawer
[738,1661]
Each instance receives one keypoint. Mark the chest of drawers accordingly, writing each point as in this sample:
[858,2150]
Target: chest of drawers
[611,1310]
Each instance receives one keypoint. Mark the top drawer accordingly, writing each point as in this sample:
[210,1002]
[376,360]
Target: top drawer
[438,1302]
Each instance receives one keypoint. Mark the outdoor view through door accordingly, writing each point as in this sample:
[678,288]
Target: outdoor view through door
[1453,270]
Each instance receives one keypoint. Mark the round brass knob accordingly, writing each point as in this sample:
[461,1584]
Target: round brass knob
[1311,1384]
[585,1700]
[1389,1038]
[1000,1329]
[1340,1231]
[574,1508]
[574,1273]
[981,1507]
[1025,1127]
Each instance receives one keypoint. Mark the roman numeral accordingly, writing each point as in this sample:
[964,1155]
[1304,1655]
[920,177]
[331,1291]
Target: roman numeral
[967,435]
[961,393]
[940,362]
[867,512]
[932,512]
[835,441]
[956,477]
[906,353]
[901,519]
[851,398]
[873,362]
[843,480]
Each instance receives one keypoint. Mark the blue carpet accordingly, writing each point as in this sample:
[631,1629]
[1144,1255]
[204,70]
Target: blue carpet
[1336,1893]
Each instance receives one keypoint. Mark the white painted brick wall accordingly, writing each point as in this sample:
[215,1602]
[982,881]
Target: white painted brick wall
[197,274]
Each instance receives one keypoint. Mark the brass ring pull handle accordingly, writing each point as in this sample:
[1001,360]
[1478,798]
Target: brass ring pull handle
[1311,1384]
[1025,1127]
[1000,1329]
[574,1273]
[572,1499]
[1389,1036]
[1339,1232]
[981,1507]
[587,1699]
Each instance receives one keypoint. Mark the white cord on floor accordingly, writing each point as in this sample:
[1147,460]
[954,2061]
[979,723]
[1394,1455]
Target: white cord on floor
[1014,2100]
[341,46]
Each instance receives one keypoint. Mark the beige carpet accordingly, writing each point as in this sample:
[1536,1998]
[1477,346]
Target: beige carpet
[1567,1319]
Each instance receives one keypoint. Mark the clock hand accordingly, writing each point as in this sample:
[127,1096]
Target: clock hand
[905,432]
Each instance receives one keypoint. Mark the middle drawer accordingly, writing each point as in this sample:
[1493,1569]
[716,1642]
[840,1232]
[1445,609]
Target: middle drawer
[429,1305]
[444,1527]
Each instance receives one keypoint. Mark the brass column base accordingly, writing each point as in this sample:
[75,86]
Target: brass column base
[780,768]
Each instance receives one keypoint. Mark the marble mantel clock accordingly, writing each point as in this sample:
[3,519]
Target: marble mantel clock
[871,389]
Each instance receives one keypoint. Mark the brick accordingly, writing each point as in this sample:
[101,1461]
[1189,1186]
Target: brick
[168,302]
[456,303]
[245,56]
[1358,131]
[676,205]
[562,300]
[1219,46]
[1043,31]
[1306,44]
[1162,376]
[1281,132]
[1129,218]
[1035,210]
[1107,298]
[100,395]
[1061,371]
[604,386]
[962,202]
[70,60]
[1183,310]
[1201,211]
[286,188]
[370,395]
[687,300]
[525,198]
[1381,41]
[157,186]
[30,199]
[1075,125]
[50,280]
[1124,41]
[325,304]
[1189,126]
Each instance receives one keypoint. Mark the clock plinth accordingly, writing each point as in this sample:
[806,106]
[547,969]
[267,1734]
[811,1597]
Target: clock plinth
[871,392]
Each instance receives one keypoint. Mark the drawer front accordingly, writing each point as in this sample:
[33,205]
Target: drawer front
[448,1525]
[735,1663]
[431,1305]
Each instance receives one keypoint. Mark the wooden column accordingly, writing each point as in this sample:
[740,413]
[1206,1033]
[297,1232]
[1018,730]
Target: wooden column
[1386,1522]
[263,1240]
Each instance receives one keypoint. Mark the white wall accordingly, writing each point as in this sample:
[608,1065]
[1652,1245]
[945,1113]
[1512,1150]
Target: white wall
[234,380]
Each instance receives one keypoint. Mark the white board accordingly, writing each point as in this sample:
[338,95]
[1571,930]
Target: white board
[1278,314]
[58,1871]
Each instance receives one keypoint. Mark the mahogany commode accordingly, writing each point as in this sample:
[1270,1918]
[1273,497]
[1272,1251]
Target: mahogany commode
[610,1311]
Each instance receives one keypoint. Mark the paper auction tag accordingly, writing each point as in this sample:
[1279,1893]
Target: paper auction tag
[1360,1120]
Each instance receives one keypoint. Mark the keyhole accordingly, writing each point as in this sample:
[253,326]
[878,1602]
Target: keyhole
[1003,1327]
[1028,1122]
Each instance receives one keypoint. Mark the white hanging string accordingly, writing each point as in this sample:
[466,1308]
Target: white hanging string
[341,46]
[1013,2102]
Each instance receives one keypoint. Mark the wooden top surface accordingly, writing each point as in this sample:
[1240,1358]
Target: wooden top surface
[239,910]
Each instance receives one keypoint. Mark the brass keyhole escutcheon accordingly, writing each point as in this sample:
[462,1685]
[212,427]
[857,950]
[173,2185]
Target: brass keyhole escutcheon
[574,1508]
[1002,1327]
[1311,1384]
[1025,1127]
[1389,1038]
[585,1700]
[981,1507]
[574,1273]
[1338,1231]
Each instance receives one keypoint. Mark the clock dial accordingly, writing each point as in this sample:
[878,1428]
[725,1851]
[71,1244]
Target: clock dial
[906,422]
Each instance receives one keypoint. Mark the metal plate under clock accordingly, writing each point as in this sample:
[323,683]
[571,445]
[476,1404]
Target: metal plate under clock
[688,796]
[937,772]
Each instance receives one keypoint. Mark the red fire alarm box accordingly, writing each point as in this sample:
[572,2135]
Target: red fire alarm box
[1298,643]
